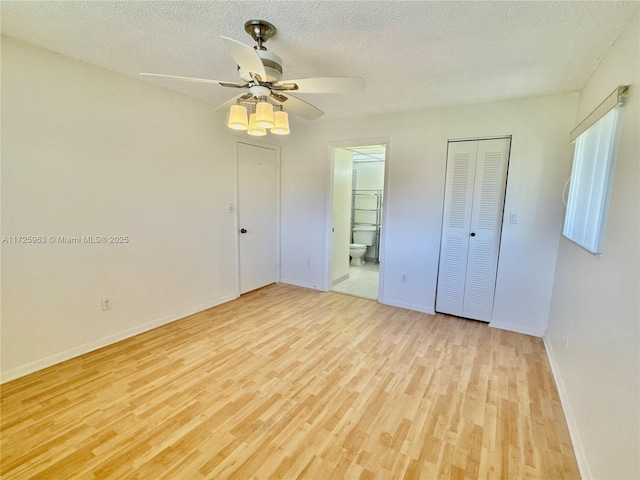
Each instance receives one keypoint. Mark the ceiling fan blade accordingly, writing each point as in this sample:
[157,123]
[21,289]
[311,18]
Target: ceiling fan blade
[233,101]
[195,80]
[323,85]
[246,57]
[278,97]
[302,108]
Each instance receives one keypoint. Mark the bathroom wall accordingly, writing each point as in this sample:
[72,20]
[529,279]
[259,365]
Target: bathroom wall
[369,176]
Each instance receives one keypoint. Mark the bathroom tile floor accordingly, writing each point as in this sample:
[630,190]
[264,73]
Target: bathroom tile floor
[362,281]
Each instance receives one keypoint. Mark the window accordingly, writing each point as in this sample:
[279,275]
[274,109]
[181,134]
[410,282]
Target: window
[592,176]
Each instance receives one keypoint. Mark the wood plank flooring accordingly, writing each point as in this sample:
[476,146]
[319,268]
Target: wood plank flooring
[288,383]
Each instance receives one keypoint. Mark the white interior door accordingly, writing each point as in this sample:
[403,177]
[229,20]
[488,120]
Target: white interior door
[257,216]
[341,213]
[472,223]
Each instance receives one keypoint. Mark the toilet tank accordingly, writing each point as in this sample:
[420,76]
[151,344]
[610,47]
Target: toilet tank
[364,235]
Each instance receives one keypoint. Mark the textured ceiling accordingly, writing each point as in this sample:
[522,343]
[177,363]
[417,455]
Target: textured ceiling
[412,55]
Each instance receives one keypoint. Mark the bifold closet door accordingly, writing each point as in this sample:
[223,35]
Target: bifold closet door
[472,223]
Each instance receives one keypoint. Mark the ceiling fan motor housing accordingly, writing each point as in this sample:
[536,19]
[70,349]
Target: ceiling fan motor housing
[272,66]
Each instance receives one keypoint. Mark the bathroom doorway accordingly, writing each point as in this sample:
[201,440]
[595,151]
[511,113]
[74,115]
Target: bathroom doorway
[357,209]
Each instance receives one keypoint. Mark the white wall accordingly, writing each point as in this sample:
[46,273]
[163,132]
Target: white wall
[86,151]
[595,300]
[416,161]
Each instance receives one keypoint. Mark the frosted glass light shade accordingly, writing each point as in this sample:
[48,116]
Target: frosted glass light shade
[264,115]
[238,117]
[254,129]
[281,123]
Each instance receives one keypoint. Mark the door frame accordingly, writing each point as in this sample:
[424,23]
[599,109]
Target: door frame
[234,208]
[386,141]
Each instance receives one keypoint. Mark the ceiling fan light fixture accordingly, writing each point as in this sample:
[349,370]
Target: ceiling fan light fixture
[260,72]
[264,115]
[255,130]
[238,118]
[281,123]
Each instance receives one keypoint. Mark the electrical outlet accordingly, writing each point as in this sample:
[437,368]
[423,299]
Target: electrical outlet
[106,304]
[404,278]
[566,341]
[308,263]
[513,218]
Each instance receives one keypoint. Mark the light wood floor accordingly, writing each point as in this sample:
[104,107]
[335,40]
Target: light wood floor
[292,383]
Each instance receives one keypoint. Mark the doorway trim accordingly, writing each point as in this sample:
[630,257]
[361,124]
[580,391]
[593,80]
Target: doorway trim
[386,141]
[233,208]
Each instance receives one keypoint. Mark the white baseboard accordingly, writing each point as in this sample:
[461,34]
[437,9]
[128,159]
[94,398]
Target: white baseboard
[408,306]
[297,283]
[341,279]
[517,328]
[581,458]
[31,367]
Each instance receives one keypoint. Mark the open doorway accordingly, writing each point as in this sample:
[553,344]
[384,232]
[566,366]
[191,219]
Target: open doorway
[357,209]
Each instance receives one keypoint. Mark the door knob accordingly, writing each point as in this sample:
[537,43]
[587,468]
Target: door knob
[243,230]
[473,234]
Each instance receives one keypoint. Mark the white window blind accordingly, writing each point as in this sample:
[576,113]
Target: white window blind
[591,181]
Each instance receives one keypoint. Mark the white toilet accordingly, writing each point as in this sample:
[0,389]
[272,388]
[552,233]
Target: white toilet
[363,237]
[356,252]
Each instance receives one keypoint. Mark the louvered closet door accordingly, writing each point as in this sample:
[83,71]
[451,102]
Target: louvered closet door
[461,169]
[471,227]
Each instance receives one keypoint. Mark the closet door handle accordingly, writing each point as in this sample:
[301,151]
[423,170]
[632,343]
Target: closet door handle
[473,234]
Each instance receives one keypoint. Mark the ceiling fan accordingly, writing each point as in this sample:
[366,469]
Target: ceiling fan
[260,72]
